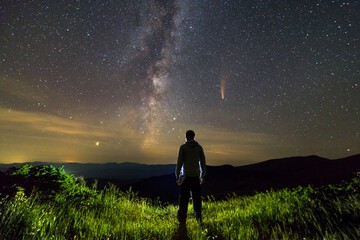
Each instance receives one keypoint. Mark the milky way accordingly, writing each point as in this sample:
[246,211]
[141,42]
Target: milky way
[101,81]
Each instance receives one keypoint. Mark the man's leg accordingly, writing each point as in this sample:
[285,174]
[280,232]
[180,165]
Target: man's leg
[184,200]
[196,194]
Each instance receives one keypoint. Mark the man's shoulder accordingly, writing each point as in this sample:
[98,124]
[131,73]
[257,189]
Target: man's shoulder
[194,145]
[198,145]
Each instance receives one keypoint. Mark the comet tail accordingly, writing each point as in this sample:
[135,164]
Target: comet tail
[223,85]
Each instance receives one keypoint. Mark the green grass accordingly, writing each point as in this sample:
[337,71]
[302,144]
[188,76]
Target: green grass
[331,212]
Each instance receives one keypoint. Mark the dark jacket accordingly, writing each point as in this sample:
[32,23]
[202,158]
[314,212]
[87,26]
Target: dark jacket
[190,154]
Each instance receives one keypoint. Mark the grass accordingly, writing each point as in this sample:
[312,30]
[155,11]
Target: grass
[330,212]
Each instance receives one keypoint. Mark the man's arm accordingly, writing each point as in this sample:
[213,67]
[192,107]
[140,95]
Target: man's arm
[179,164]
[202,163]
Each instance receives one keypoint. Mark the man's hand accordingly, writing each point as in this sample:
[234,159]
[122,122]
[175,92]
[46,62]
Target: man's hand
[201,181]
[178,181]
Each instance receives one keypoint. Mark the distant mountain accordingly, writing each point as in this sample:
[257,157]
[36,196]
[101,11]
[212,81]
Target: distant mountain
[277,173]
[158,181]
[116,171]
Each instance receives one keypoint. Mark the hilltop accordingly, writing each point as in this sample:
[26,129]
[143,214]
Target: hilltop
[158,181]
[221,181]
[47,203]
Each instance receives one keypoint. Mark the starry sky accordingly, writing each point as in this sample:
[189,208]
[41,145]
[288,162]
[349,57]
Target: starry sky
[115,81]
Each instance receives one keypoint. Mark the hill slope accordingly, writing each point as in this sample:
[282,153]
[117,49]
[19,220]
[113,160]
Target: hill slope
[277,173]
[117,171]
[158,181]
[60,207]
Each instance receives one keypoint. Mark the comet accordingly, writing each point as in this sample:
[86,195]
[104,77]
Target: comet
[223,84]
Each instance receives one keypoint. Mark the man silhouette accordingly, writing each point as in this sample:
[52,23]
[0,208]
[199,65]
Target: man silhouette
[190,155]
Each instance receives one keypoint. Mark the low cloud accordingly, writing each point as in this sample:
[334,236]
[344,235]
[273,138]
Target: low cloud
[36,136]
[220,145]
[49,123]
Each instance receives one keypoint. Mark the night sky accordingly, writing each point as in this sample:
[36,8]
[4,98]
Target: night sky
[116,81]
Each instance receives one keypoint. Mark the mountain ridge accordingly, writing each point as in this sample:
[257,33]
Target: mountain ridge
[221,181]
[158,180]
[119,171]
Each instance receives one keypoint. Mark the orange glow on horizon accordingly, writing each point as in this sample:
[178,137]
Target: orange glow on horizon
[70,161]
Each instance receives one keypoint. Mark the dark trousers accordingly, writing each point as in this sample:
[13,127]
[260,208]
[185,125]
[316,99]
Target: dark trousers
[189,184]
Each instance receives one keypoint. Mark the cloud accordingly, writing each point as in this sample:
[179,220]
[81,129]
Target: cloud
[49,123]
[234,147]
[35,136]
[220,145]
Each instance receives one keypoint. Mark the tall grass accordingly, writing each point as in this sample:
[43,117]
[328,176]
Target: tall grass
[109,215]
[332,212]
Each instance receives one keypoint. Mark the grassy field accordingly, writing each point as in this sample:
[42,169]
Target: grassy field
[63,208]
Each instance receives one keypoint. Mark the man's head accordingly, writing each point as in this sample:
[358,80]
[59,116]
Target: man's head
[190,135]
